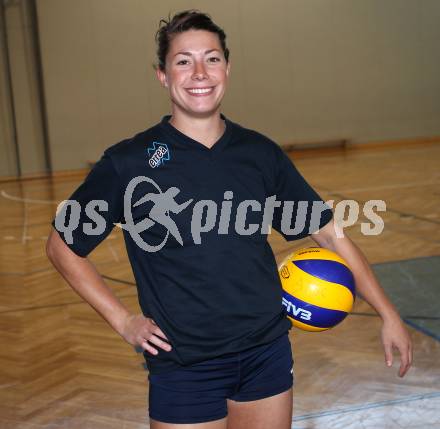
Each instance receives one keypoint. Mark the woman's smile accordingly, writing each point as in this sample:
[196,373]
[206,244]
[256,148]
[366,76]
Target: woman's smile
[200,92]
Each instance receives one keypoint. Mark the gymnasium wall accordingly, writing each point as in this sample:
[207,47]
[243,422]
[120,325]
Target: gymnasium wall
[8,162]
[302,70]
[22,145]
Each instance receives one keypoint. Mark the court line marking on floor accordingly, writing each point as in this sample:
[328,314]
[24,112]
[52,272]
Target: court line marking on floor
[415,258]
[4,194]
[367,406]
[112,251]
[388,209]
[356,156]
[384,187]
[25,223]
[50,268]
[61,304]
[421,329]
[129,283]
[357,313]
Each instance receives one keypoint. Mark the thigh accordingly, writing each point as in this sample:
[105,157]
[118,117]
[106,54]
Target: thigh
[217,424]
[272,412]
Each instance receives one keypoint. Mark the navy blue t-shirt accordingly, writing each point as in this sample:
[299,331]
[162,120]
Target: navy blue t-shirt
[193,226]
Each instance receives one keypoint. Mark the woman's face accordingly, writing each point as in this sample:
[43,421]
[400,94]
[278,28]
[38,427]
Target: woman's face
[196,73]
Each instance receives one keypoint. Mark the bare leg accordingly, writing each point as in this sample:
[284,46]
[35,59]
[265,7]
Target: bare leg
[274,412]
[216,424]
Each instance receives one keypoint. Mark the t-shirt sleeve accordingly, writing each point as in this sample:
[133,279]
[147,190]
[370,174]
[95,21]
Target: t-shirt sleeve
[89,214]
[302,211]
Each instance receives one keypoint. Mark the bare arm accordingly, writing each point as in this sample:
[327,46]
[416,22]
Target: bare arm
[85,280]
[394,333]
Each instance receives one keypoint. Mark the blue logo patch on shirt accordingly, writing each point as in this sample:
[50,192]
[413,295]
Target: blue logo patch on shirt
[158,154]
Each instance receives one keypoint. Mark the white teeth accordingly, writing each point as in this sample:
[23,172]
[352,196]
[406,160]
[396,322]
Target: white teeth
[200,90]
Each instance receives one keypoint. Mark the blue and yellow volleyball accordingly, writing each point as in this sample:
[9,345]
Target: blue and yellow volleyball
[318,288]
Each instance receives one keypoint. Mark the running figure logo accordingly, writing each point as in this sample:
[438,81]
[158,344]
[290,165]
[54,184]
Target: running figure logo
[164,203]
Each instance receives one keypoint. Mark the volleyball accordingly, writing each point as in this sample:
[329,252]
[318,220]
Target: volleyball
[318,288]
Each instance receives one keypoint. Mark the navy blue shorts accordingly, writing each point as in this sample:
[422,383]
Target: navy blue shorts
[197,393]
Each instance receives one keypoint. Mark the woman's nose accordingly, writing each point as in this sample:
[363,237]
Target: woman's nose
[199,71]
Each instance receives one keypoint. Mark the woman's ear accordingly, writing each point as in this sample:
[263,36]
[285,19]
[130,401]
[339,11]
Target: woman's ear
[162,77]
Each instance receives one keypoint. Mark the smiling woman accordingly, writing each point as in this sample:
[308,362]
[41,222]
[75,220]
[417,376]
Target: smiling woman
[213,329]
[193,64]
[196,77]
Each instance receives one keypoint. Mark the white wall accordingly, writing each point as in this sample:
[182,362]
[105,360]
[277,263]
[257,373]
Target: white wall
[301,69]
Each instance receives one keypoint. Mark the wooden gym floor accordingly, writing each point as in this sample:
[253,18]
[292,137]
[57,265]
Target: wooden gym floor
[62,366]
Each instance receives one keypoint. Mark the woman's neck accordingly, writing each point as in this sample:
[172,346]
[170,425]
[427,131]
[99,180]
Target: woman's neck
[206,130]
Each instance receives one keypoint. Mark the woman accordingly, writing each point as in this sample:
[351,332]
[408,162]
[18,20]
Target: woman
[214,333]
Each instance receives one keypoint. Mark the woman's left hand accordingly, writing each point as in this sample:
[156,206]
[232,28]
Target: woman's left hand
[394,334]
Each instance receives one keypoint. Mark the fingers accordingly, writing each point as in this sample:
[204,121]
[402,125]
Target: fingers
[406,357]
[388,354]
[157,331]
[160,343]
[404,367]
[155,340]
[146,346]
[397,336]
[406,360]
[154,336]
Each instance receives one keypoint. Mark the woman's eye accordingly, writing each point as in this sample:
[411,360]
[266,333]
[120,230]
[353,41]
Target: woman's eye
[182,62]
[214,59]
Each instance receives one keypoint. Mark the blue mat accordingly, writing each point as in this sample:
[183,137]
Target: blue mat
[414,288]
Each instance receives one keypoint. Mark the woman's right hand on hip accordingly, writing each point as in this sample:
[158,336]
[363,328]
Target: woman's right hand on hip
[143,331]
